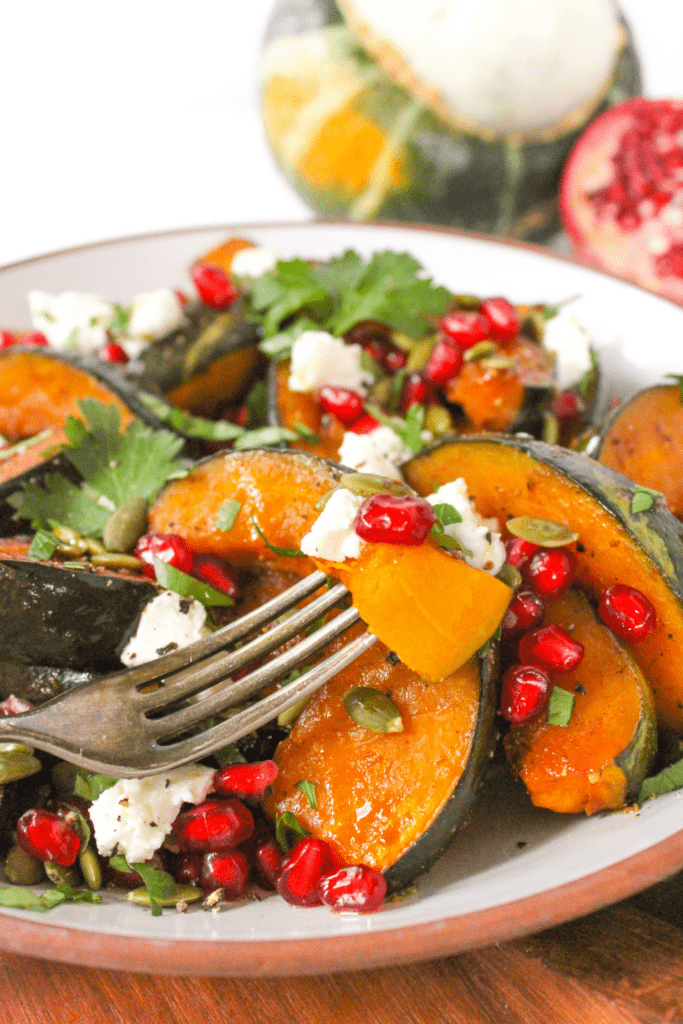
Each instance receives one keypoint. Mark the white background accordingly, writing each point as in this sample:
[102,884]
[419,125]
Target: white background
[120,118]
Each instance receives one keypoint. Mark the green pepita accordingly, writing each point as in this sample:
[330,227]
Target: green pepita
[115,560]
[22,869]
[438,420]
[124,527]
[91,869]
[368,484]
[550,432]
[373,710]
[182,894]
[481,350]
[510,576]
[17,764]
[418,357]
[497,362]
[382,391]
[289,716]
[544,532]
[468,301]
[58,874]
[402,341]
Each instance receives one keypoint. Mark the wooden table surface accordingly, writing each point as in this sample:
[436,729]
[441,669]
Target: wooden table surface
[622,965]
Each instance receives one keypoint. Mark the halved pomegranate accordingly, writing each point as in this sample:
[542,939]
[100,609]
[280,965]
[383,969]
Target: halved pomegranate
[621,196]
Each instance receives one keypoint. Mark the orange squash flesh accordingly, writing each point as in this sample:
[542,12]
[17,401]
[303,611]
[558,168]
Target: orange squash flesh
[644,441]
[37,392]
[505,481]
[435,611]
[222,255]
[376,794]
[301,407]
[21,462]
[574,768]
[222,382]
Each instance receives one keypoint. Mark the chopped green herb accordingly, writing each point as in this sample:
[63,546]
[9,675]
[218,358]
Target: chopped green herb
[229,755]
[264,436]
[587,380]
[678,377]
[18,898]
[560,706]
[190,426]
[408,430]
[283,552]
[447,514]
[666,781]
[227,514]
[23,446]
[643,499]
[121,320]
[279,346]
[284,824]
[187,586]
[308,790]
[91,785]
[306,432]
[71,344]
[256,404]
[72,895]
[159,884]
[75,565]
[42,546]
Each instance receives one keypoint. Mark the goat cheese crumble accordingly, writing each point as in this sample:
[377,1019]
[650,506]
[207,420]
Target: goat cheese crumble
[319,359]
[71,320]
[253,262]
[570,342]
[380,451]
[333,535]
[480,536]
[168,622]
[155,314]
[134,816]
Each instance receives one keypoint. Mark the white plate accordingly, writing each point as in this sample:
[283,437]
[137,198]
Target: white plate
[514,869]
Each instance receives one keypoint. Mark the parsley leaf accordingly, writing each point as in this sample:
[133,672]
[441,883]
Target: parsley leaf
[643,499]
[227,514]
[560,706]
[116,466]
[308,790]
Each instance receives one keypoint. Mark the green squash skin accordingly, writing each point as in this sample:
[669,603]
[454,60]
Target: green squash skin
[453,815]
[38,683]
[637,759]
[458,179]
[67,618]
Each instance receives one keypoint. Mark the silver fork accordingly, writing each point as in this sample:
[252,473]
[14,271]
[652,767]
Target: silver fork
[135,722]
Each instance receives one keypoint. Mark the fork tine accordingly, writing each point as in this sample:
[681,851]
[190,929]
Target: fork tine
[220,666]
[233,729]
[226,635]
[235,693]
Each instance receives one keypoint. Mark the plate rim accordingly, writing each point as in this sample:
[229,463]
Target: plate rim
[367,950]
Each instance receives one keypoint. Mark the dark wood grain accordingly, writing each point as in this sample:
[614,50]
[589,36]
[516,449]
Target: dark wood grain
[620,966]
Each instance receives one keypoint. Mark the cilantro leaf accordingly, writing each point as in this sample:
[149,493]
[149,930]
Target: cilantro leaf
[283,552]
[666,781]
[678,377]
[159,884]
[187,586]
[308,790]
[290,287]
[61,500]
[90,785]
[643,499]
[284,824]
[17,897]
[264,436]
[191,426]
[23,446]
[447,514]
[560,706]
[409,430]
[42,546]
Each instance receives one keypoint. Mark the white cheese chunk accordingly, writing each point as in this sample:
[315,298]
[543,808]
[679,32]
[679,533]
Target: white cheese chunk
[155,314]
[134,816]
[71,320]
[480,536]
[332,535]
[381,451]
[319,359]
[570,342]
[167,619]
[253,262]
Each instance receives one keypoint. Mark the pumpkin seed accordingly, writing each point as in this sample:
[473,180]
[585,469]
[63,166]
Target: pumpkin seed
[94,547]
[468,301]
[418,356]
[373,710]
[497,362]
[64,778]
[116,560]
[544,532]
[124,527]
[382,392]
[368,484]
[182,894]
[479,351]
[510,576]
[58,874]
[22,869]
[289,716]
[438,420]
[17,764]
[550,432]
[402,341]
[90,866]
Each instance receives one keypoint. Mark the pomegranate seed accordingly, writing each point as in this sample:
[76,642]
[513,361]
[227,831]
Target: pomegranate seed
[465,328]
[267,860]
[525,610]
[395,359]
[365,424]
[13,705]
[550,571]
[393,519]
[503,322]
[518,551]
[524,693]
[228,871]
[242,416]
[181,297]
[45,835]
[301,870]
[552,648]
[345,404]
[445,362]
[113,353]
[246,781]
[377,349]
[214,286]
[567,406]
[33,340]
[417,390]
[213,825]
[167,547]
[7,340]
[189,868]
[217,573]
[627,612]
[358,888]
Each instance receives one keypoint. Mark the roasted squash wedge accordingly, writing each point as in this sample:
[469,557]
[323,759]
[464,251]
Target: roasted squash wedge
[599,760]
[322,433]
[513,476]
[410,790]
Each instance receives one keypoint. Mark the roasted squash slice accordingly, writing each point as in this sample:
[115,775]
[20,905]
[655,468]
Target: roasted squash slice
[599,760]
[512,476]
